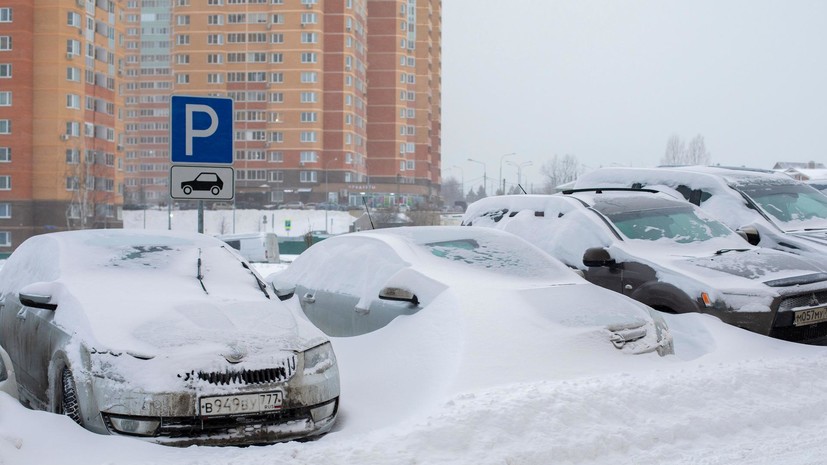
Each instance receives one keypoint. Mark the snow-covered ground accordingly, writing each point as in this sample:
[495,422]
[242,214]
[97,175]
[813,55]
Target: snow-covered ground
[726,397]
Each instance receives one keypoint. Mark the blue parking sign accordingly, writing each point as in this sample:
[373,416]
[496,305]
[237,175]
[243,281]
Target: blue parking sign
[201,130]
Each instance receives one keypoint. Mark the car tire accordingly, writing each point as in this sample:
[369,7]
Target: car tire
[215,190]
[69,399]
[187,190]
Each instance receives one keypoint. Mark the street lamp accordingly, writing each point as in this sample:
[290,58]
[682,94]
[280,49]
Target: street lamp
[484,174]
[519,170]
[502,179]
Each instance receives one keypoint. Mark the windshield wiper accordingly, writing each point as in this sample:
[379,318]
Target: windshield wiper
[198,273]
[261,284]
[723,251]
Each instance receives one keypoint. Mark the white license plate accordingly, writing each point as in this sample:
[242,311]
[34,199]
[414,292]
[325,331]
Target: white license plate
[241,404]
[810,316]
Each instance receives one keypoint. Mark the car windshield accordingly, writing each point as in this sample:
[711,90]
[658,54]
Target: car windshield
[795,206]
[679,224]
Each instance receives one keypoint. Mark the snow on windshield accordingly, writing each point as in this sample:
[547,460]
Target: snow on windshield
[796,206]
[681,225]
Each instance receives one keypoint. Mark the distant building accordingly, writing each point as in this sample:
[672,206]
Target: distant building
[783,165]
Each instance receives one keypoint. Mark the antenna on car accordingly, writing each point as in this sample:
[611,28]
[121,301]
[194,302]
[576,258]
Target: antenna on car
[521,188]
[367,210]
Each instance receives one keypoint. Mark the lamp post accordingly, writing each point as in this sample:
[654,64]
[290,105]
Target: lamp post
[502,179]
[519,167]
[484,175]
[327,193]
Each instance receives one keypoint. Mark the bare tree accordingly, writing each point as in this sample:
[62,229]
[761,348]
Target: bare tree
[678,153]
[560,170]
[451,191]
[697,153]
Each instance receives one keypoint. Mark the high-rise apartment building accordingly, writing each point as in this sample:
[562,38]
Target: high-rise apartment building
[61,124]
[404,104]
[334,101]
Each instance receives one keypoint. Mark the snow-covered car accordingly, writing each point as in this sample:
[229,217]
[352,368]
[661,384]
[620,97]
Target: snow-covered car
[166,336]
[8,383]
[775,210]
[669,254]
[355,284]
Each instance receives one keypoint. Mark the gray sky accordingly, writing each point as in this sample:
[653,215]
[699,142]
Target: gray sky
[610,81]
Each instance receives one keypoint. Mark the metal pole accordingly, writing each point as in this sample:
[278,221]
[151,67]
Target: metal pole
[502,180]
[201,216]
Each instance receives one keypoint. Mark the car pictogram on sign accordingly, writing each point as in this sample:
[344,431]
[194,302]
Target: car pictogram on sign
[205,181]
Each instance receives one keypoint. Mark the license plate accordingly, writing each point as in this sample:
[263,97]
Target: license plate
[810,316]
[241,404]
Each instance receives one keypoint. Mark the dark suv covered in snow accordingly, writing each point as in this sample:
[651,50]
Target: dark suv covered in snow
[670,255]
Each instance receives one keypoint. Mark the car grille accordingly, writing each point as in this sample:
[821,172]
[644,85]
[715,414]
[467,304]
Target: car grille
[281,373]
[783,327]
[193,427]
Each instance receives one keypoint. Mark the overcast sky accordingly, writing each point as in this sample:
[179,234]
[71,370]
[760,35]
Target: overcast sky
[610,81]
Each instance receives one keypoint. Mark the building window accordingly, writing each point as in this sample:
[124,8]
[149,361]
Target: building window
[5,183]
[5,210]
[5,126]
[276,176]
[277,38]
[215,78]
[5,154]
[308,136]
[215,39]
[308,117]
[5,239]
[5,70]
[182,78]
[215,58]
[307,176]
[215,20]
[276,58]
[5,43]
[5,98]
[308,157]
[276,157]
[73,74]
[72,156]
[73,101]
[182,59]
[309,77]
[5,15]
[308,97]
[310,37]
[183,39]
[277,78]
[309,18]
[309,57]
[276,97]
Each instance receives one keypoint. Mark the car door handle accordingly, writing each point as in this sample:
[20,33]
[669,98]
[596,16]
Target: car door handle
[21,315]
[362,311]
[309,298]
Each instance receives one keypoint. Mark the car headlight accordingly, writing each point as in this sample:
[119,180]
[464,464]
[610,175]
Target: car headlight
[319,359]
[136,426]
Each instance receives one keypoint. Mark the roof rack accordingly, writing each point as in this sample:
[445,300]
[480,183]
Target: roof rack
[600,190]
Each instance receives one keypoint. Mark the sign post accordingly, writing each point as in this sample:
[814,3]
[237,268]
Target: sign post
[201,150]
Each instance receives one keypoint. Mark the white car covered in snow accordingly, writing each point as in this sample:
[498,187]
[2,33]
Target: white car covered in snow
[165,336]
[355,284]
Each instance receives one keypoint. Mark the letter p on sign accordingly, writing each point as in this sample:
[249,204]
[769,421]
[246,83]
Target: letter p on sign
[192,132]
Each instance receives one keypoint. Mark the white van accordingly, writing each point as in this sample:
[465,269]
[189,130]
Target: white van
[255,247]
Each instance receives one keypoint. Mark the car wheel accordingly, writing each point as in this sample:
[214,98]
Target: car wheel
[215,190]
[187,190]
[69,400]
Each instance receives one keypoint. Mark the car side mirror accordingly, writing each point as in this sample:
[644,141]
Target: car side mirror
[597,257]
[37,301]
[398,294]
[750,234]
[283,290]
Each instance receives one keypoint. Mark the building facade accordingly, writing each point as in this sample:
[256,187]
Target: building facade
[61,126]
